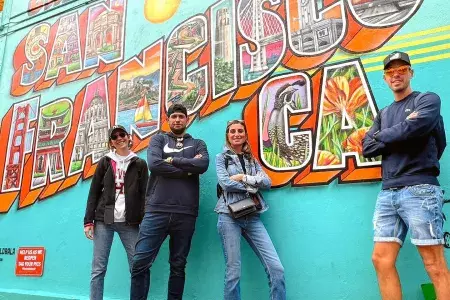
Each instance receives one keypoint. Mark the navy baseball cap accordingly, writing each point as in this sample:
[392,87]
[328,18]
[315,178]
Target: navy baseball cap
[116,127]
[397,55]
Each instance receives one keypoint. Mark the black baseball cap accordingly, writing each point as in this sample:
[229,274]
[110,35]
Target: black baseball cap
[116,127]
[177,108]
[396,55]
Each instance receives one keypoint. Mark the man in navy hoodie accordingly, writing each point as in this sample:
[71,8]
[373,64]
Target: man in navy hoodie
[410,137]
[175,160]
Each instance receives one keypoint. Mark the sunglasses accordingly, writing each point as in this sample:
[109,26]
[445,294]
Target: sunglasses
[235,122]
[116,136]
[400,70]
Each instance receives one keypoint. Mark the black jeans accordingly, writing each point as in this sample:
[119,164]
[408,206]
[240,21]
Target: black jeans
[153,231]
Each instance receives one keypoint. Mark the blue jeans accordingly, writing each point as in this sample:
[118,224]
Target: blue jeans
[153,231]
[417,207]
[103,238]
[255,233]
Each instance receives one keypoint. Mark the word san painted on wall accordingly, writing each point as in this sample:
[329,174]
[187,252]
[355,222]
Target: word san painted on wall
[305,129]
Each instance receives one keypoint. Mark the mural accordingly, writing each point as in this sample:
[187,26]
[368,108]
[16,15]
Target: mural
[139,96]
[37,6]
[66,50]
[35,54]
[54,124]
[92,133]
[306,76]
[73,48]
[20,141]
[346,114]
[224,47]
[157,11]
[105,34]
[376,12]
[279,98]
[306,121]
[187,89]
[266,31]
[315,27]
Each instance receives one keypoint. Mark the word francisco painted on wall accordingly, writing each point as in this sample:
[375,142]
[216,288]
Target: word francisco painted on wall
[305,129]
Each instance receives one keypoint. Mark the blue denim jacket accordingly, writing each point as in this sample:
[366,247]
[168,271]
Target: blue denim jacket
[234,191]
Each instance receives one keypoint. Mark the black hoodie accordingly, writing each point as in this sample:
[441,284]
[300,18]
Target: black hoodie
[102,194]
[174,187]
[410,148]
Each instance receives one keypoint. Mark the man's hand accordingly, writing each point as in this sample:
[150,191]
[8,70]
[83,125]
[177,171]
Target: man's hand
[237,177]
[89,231]
[198,156]
[169,160]
[413,115]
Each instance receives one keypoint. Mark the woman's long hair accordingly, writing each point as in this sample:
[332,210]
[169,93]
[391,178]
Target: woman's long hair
[246,149]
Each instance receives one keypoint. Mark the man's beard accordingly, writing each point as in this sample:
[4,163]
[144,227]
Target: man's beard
[177,131]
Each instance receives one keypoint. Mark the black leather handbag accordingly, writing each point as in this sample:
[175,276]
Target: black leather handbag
[242,208]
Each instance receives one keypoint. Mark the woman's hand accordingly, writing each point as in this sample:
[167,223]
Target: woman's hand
[89,231]
[237,177]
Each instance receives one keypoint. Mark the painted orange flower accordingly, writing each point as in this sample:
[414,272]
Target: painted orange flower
[354,141]
[327,158]
[341,95]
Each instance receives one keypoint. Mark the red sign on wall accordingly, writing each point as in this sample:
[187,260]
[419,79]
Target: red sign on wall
[30,261]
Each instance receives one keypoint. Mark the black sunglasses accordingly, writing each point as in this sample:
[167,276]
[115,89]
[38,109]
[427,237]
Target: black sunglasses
[115,136]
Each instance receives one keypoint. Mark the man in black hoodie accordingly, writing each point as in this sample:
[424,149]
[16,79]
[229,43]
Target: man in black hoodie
[409,135]
[175,160]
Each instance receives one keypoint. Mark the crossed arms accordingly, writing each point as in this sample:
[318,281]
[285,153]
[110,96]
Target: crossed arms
[177,167]
[237,183]
[418,124]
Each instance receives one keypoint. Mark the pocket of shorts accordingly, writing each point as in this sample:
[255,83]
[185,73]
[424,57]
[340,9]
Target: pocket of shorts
[422,190]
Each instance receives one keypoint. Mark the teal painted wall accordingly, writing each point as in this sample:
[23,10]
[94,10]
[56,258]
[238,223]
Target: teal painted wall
[323,233]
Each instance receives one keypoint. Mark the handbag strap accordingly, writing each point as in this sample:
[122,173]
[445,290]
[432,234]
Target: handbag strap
[226,159]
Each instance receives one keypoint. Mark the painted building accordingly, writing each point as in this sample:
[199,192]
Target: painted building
[306,76]
[93,132]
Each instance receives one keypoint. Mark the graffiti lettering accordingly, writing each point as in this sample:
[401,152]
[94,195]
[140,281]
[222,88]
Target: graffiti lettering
[183,86]
[306,128]
[76,46]
[36,6]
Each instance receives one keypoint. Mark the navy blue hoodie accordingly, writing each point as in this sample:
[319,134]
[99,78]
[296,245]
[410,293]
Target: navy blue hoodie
[410,154]
[174,187]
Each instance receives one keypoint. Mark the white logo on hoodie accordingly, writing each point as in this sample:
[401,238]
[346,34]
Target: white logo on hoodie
[167,149]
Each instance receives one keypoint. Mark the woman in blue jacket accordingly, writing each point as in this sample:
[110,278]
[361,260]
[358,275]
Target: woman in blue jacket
[240,176]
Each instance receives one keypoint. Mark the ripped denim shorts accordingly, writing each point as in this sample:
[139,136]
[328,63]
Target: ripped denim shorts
[417,207]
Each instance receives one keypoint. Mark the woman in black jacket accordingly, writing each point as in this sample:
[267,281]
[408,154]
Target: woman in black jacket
[115,204]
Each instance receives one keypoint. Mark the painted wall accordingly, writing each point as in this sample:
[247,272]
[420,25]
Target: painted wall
[307,79]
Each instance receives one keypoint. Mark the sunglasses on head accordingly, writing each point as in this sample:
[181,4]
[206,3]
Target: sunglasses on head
[115,136]
[235,122]
[400,70]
